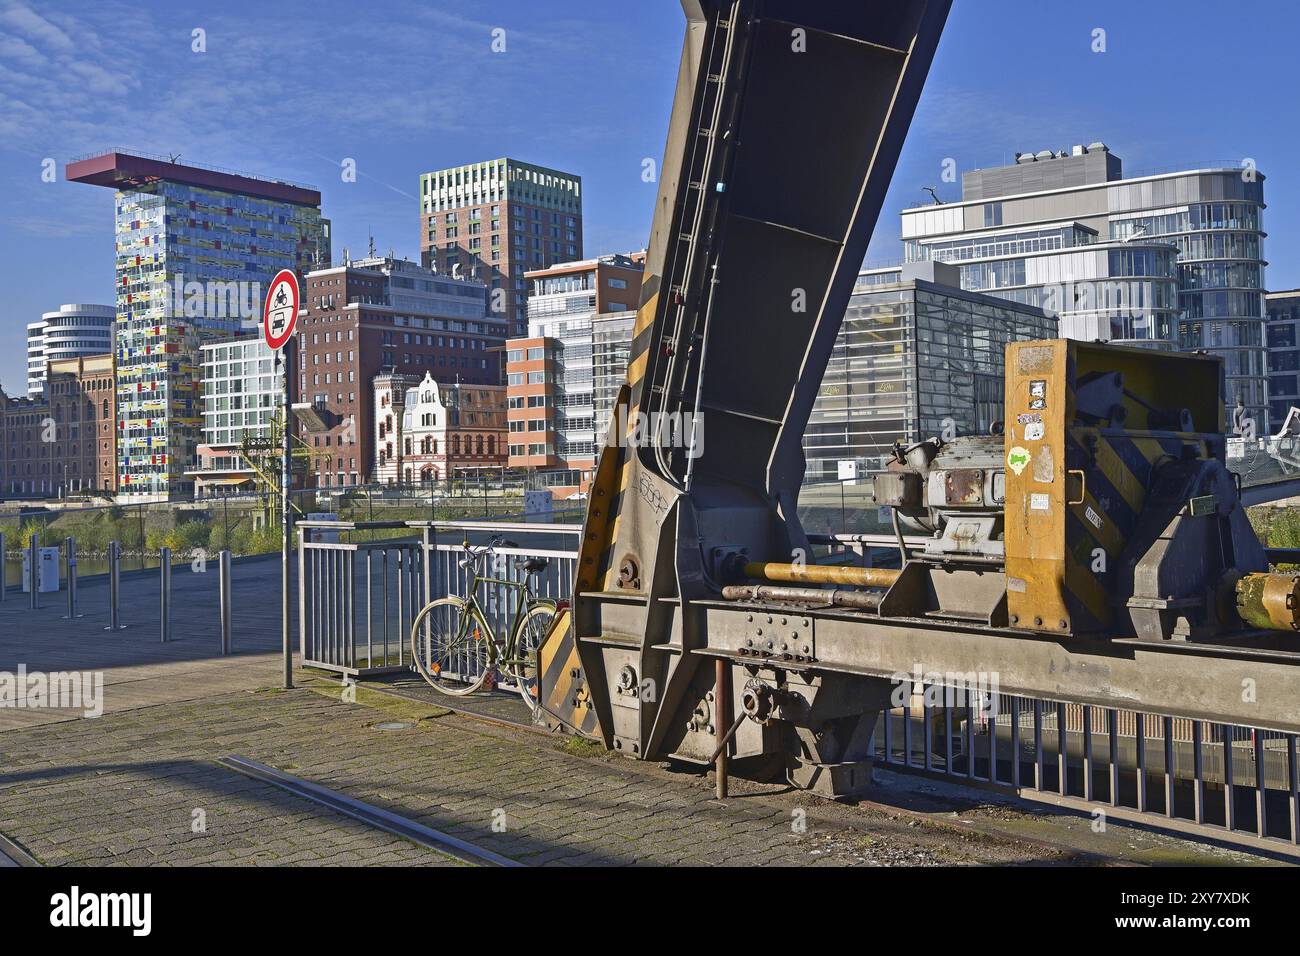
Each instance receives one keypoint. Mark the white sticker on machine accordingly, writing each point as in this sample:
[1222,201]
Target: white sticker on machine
[1040,502]
[1092,516]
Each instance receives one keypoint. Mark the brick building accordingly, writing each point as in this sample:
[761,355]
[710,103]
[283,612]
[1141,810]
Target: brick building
[551,373]
[383,313]
[531,394]
[495,220]
[64,443]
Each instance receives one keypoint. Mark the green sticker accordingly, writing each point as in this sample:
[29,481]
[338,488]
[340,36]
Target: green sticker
[1017,459]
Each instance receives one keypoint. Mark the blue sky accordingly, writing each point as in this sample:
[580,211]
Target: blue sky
[290,89]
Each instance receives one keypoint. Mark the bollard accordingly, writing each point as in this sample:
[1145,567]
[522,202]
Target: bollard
[34,570]
[165,589]
[114,587]
[70,558]
[223,576]
[4,564]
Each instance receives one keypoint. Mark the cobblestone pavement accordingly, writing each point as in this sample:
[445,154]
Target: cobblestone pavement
[126,789]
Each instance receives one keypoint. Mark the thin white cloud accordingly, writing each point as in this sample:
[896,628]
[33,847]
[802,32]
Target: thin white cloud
[23,19]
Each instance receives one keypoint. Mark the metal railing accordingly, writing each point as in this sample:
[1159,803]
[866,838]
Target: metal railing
[358,599]
[1202,778]
[355,603]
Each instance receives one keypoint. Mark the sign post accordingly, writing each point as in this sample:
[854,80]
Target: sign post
[279,319]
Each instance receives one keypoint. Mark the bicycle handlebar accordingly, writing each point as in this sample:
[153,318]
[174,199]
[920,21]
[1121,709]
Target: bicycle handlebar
[472,554]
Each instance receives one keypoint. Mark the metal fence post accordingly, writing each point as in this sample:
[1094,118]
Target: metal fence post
[223,574]
[34,570]
[70,558]
[4,565]
[165,590]
[114,586]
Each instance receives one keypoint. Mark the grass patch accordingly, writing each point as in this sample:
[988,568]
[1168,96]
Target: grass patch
[582,747]
[392,707]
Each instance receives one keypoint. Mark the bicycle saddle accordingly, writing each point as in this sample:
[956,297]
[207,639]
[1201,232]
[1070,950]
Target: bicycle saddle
[534,565]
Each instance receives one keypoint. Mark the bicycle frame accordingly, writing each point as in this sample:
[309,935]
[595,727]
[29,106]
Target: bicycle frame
[471,599]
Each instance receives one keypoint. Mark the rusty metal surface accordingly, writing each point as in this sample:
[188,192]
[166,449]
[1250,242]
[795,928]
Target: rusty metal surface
[812,597]
[1269,601]
[963,486]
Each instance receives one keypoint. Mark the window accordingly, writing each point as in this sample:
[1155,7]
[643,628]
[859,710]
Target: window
[992,214]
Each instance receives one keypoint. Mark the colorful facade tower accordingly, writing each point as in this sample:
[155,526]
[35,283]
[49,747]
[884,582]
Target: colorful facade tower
[195,249]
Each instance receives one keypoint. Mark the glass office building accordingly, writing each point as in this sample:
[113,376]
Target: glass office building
[915,357]
[1168,261]
[240,391]
[611,343]
[1283,354]
[564,302]
[241,395]
[196,249]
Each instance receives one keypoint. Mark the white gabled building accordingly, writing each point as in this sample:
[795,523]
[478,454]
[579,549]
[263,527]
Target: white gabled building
[425,430]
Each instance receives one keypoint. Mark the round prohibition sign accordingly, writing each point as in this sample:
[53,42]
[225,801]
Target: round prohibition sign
[280,313]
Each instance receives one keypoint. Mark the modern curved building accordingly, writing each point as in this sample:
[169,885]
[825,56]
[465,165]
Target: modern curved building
[73,331]
[1173,260]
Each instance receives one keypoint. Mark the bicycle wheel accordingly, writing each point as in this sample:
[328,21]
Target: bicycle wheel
[529,634]
[455,655]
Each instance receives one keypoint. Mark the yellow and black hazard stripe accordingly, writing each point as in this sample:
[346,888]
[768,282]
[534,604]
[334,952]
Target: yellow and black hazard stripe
[1118,469]
[614,471]
[643,333]
[604,508]
[565,693]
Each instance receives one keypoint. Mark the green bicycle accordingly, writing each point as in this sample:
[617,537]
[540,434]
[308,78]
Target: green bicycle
[456,649]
